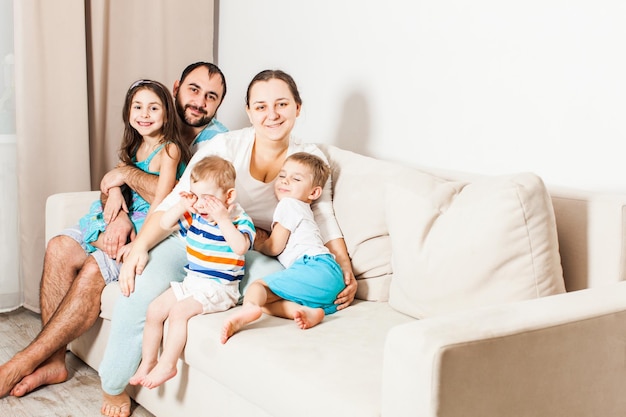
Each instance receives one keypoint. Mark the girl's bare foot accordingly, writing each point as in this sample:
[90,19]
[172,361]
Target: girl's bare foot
[143,370]
[115,405]
[158,375]
[246,314]
[307,317]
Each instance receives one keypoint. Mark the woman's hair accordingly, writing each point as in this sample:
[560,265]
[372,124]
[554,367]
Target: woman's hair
[171,125]
[275,74]
[211,68]
[216,168]
[319,169]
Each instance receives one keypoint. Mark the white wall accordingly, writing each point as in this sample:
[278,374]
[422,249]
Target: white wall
[485,86]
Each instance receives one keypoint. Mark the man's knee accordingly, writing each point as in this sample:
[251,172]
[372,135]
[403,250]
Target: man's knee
[90,276]
[64,249]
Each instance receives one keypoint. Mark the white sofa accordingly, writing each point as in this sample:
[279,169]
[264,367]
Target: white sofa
[461,308]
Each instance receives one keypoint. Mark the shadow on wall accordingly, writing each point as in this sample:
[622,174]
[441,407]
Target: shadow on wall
[354,129]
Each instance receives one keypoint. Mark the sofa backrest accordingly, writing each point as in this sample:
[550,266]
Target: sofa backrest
[592,235]
[429,244]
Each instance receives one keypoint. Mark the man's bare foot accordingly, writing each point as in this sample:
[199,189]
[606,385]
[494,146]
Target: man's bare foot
[115,405]
[143,370]
[50,372]
[158,375]
[246,314]
[10,375]
[307,317]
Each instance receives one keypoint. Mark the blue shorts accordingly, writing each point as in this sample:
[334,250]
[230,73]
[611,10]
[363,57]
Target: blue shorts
[109,268]
[312,281]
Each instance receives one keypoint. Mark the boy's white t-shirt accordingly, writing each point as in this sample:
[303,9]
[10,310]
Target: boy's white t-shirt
[256,197]
[305,239]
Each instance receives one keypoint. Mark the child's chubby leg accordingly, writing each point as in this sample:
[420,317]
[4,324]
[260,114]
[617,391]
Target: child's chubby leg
[304,317]
[158,312]
[179,315]
[257,295]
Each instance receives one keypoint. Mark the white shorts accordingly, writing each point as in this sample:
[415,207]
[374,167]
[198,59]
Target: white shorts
[214,294]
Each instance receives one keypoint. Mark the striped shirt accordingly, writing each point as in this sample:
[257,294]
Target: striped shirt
[208,253]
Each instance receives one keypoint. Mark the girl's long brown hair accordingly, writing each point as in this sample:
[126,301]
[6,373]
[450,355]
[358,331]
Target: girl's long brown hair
[171,125]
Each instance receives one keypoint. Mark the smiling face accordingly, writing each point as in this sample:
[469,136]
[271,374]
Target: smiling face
[146,113]
[272,110]
[295,180]
[198,97]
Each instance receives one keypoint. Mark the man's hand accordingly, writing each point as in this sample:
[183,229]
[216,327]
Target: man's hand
[114,178]
[115,236]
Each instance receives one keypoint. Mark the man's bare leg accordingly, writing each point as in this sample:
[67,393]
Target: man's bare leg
[70,302]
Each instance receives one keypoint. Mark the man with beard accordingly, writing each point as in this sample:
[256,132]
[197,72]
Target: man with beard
[72,281]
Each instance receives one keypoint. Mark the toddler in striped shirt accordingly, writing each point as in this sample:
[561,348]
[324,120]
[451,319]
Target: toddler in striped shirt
[218,233]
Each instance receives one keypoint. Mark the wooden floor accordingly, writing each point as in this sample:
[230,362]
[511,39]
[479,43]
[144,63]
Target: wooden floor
[79,396]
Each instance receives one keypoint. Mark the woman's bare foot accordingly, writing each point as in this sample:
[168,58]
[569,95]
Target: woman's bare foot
[307,317]
[158,375]
[143,370]
[246,314]
[50,372]
[115,405]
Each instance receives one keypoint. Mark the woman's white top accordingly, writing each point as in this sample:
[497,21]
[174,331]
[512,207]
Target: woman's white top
[256,197]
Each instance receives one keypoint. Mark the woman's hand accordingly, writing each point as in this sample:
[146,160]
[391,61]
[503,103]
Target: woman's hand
[345,297]
[261,236]
[134,263]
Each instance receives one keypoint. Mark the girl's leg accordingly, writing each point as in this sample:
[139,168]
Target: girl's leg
[158,311]
[257,295]
[180,314]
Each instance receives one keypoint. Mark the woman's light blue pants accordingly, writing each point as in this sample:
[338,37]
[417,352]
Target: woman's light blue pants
[166,264]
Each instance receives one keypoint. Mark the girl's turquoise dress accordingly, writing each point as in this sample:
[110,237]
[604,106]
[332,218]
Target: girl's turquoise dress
[92,224]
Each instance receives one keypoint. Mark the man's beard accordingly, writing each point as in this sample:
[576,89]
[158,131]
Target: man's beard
[181,110]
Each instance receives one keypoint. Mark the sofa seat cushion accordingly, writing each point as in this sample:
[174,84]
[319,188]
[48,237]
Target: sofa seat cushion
[470,244]
[336,365]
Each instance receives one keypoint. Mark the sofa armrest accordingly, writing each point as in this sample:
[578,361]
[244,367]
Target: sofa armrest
[64,209]
[562,355]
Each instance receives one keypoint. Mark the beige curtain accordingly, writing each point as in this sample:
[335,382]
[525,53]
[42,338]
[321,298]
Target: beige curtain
[132,40]
[75,60]
[51,120]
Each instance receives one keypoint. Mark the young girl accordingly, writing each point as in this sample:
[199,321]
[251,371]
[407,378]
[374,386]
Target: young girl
[152,143]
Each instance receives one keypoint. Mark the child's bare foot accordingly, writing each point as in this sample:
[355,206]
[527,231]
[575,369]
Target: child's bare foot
[246,314]
[158,375]
[307,317]
[143,370]
[115,405]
